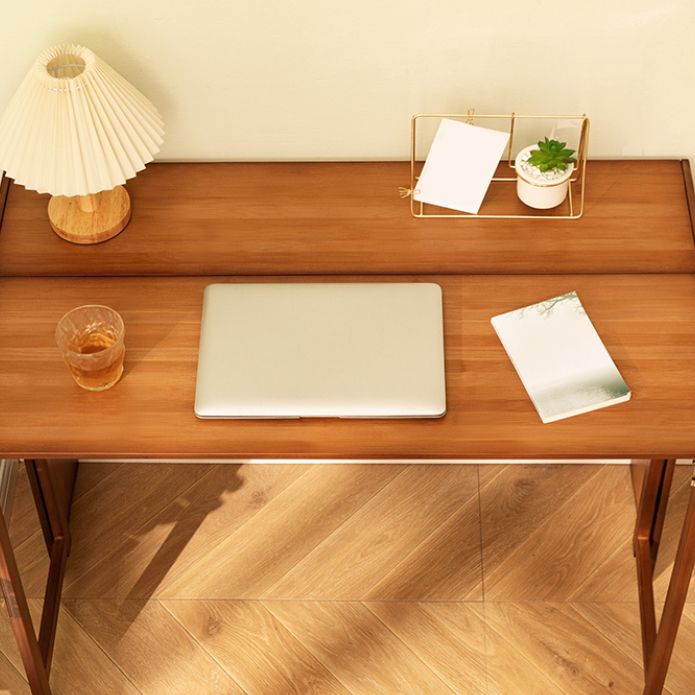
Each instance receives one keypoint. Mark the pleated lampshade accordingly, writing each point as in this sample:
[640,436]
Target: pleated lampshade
[75,127]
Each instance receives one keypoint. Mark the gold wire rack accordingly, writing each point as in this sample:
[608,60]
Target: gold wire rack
[568,210]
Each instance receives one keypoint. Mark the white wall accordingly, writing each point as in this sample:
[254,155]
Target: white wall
[321,79]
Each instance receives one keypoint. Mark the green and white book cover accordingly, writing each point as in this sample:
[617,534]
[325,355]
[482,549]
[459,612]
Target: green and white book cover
[565,368]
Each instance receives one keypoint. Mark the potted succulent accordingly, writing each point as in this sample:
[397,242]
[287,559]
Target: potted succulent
[543,172]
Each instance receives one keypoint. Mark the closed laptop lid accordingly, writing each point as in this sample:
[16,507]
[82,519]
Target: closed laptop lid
[352,350]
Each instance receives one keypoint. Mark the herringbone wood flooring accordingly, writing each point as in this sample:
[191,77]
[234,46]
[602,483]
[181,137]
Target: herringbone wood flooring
[417,579]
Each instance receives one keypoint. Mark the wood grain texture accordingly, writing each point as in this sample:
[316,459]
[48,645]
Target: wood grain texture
[446,565]
[357,647]
[283,532]
[306,218]
[11,680]
[448,637]
[402,539]
[561,647]
[638,473]
[646,321]
[510,672]
[130,632]
[129,514]
[149,558]
[256,648]
[25,520]
[79,664]
[91,476]
[567,538]
[90,219]
[134,642]
[253,559]
[308,647]
[619,623]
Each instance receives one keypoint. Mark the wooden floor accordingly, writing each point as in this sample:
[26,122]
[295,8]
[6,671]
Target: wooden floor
[418,579]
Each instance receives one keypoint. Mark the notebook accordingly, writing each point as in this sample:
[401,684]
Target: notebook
[565,368]
[460,166]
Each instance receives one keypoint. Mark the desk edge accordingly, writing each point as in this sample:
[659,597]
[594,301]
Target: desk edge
[4,192]
[689,193]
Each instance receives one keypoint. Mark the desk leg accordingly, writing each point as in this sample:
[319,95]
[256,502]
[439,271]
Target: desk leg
[52,484]
[651,512]
[683,566]
[20,619]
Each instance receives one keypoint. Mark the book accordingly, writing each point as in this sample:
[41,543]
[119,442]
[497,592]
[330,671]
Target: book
[560,358]
[460,166]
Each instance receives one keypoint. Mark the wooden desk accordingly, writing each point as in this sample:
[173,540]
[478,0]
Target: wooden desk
[343,219]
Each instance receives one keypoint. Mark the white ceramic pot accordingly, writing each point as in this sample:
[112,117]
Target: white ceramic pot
[538,190]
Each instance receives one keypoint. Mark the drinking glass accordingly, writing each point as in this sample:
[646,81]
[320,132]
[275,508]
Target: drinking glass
[90,339]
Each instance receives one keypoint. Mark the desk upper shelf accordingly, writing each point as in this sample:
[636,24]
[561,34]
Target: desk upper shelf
[341,218]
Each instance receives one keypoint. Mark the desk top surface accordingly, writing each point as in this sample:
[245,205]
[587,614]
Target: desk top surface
[646,321]
[347,218]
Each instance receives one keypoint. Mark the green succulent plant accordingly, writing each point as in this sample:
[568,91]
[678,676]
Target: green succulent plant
[551,154]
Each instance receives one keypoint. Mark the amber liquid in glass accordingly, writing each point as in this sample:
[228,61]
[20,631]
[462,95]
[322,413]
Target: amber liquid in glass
[103,375]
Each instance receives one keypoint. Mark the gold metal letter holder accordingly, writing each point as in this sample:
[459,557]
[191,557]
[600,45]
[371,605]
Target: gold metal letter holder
[567,211]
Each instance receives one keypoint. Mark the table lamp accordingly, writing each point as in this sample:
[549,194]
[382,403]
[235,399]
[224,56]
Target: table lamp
[78,130]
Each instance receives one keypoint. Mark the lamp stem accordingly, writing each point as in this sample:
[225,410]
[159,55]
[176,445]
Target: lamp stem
[89,203]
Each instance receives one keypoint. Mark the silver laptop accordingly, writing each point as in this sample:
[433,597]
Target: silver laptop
[349,350]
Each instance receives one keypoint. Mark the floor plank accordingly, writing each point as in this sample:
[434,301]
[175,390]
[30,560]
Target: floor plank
[357,647]
[446,566]
[132,496]
[681,676]
[260,653]
[144,563]
[561,645]
[24,521]
[79,664]
[385,547]
[619,623]
[448,637]
[11,680]
[255,556]
[89,475]
[566,540]
[152,648]
[510,672]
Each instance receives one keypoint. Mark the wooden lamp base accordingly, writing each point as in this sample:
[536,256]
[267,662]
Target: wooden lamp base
[90,219]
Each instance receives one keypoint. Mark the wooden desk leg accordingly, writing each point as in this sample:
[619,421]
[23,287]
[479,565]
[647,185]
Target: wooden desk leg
[20,618]
[651,513]
[675,601]
[638,473]
[52,484]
